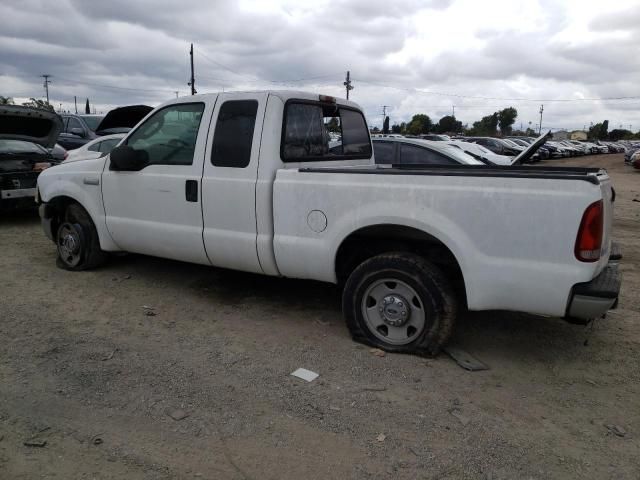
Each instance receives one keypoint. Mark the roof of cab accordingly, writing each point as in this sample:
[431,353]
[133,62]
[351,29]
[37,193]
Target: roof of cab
[284,95]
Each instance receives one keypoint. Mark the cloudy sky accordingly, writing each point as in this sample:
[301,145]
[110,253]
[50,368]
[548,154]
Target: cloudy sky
[580,58]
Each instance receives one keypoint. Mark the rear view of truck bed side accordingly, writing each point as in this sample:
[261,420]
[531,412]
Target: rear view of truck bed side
[509,241]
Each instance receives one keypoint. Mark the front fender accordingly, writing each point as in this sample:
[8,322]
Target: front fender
[79,182]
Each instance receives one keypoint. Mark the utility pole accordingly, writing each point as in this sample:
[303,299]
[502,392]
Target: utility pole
[541,110]
[384,112]
[192,83]
[453,111]
[347,83]
[46,85]
[75,102]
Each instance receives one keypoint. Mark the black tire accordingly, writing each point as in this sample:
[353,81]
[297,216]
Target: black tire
[435,303]
[78,224]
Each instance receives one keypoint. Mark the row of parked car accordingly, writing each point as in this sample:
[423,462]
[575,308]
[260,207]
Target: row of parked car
[424,149]
[76,137]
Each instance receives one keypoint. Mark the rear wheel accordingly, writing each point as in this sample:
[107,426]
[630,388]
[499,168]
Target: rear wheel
[77,241]
[401,303]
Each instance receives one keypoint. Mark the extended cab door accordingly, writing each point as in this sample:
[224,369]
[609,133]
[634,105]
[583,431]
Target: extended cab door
[229,181]
[157,210]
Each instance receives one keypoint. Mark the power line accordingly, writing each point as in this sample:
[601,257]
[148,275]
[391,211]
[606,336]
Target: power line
[431,92]
[90,84]
[255,78]
[407,89]
[224,66]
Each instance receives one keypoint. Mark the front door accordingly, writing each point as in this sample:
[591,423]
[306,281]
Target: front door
[158,210]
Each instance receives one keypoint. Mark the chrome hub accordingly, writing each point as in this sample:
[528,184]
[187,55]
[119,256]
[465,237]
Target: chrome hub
[70,243]
[395,310]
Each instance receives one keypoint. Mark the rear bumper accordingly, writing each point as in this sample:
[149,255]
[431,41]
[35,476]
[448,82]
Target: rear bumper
[593,299]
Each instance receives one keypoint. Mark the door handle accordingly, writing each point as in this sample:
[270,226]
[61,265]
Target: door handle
[191,190]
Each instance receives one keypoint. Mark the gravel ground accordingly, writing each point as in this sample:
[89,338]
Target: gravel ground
[85,369]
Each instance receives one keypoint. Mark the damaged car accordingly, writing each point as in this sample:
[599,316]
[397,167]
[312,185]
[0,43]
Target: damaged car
[26,135]
[79,130]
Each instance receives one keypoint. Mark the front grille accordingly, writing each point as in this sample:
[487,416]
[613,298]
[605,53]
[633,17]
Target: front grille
[13,181]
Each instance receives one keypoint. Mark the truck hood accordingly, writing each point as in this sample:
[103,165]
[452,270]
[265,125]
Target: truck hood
[528,152]
[120,120]
[31,124]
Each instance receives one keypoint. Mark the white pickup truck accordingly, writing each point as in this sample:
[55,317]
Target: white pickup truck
[248,181]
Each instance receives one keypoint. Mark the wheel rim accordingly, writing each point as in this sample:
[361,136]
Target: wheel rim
[393,311]
[69,245]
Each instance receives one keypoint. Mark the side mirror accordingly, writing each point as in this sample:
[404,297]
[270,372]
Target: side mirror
[126,159]
[77,131]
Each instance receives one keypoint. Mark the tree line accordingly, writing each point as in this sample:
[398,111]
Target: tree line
[498,123]
[600,131]
[38,103]
[486,126]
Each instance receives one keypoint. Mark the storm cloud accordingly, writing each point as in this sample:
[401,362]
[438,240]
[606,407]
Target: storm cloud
[414,56]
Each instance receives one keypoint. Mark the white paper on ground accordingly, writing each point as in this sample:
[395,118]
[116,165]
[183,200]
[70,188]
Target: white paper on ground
[305,374]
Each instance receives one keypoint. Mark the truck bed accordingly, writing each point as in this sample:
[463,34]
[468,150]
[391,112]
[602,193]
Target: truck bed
[512,230]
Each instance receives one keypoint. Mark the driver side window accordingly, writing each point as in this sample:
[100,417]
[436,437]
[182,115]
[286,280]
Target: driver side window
[169,135]
[73,123]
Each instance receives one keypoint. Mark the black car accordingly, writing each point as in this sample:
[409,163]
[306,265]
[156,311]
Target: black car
[80,129]
[25,135]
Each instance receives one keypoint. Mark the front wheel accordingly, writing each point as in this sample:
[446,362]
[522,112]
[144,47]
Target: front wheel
[401,303]
[77,241]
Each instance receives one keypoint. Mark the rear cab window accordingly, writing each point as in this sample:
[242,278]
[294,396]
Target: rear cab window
[233,137]
[315,131]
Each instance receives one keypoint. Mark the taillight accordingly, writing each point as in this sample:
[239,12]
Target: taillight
[589,240]
[66,154]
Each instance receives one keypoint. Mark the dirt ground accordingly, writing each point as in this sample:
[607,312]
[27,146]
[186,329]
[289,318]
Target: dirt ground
[86,370]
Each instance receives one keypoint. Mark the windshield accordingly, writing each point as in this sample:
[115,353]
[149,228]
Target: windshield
[92,121]
[17,147]
[510,142]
